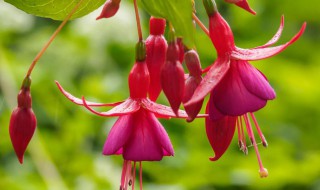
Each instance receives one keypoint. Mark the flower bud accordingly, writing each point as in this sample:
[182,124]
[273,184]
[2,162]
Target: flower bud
[139,78]
[193,64]
[23,121]
[156,47]
[172,77]
[109,9]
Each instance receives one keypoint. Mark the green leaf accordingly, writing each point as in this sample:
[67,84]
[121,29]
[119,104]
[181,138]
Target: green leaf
[178,12]
[56,9]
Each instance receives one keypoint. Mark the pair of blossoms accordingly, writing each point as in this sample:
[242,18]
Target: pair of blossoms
[236,90]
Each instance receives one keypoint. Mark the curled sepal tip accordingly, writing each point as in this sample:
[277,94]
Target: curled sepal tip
[110,8]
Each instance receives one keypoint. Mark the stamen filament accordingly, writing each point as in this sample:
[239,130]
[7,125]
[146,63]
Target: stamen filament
[134,175]
[123,175]
[202,26]
[45,47]
[263,139]
[138,20]
[245,149]
[239,134]
[140,174]
[262,171]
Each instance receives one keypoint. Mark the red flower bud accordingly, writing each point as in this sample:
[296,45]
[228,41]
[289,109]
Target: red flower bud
[172,77]
[139,78]
[23,122]
[156,46]
[193,64]
[109,9]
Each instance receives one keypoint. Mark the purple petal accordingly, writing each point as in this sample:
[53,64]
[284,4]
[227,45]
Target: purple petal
[78,101]
[262,53]
[220,133]
[127,107]
[231,97]
[145,143]
[254,81]
[118,136]
[276,37]
[211,80]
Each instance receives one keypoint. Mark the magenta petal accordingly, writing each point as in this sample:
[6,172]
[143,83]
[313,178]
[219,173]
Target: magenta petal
[145,143]
[220,133]
[231,97]
[245,5]
[262,53]
[118,136]
[78,101]
[211,80]
[127,107]
[254,81]
[276,37]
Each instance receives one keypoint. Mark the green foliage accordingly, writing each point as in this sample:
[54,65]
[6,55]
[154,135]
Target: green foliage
[178,12]
[56,9]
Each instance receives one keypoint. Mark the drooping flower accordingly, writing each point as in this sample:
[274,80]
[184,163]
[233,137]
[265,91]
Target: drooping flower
[23,121]
[243,4]
[156,46]
[137,134]
[236,88]
[109,9]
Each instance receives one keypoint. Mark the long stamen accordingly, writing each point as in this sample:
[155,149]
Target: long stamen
[245,148]
[123,175]
[263,139]
[128,175]
[134,175]
[263,171]
[202,26]
[140,174]
[239,134]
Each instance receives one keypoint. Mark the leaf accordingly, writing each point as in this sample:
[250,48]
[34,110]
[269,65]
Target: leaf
[178,12]
[56,9]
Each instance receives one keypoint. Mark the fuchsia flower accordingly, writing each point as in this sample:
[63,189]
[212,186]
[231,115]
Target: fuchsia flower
[243,4]
[237,89]
[156,46]
[137,134]
[23,122]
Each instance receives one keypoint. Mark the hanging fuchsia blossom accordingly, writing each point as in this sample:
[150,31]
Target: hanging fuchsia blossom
[243,4]
[237,89]
[23,122]
[137,134]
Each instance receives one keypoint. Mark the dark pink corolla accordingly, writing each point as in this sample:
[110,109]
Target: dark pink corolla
[23,122]
[236,88]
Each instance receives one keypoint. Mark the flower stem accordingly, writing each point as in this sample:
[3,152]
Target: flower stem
[138,20]
[202,26]
[45,47]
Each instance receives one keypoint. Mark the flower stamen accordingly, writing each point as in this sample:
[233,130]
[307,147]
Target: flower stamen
[263,139]
[140,174]
[262,171]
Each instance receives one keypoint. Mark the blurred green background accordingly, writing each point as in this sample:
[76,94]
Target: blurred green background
[93,58]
